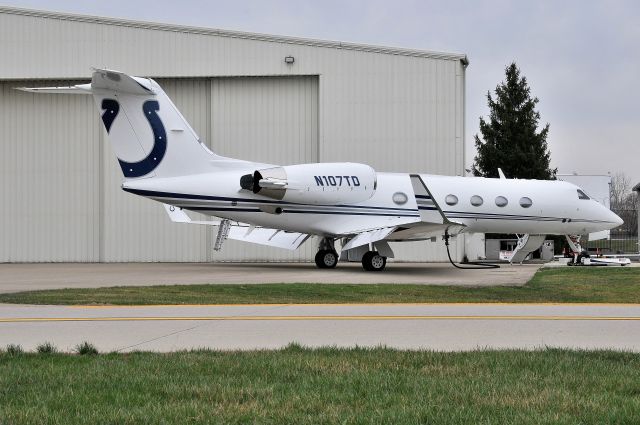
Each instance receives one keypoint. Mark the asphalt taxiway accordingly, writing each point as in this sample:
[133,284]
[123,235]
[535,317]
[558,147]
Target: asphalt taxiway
[31,277]
[447,327]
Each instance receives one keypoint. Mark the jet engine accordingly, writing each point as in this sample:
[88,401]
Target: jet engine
[320,184]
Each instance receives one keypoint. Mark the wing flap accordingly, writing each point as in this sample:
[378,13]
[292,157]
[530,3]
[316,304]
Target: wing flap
[371,236]
[423,231]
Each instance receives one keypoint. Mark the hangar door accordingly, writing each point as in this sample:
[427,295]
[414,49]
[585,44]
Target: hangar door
[265,119]
[60,180]
[49,175]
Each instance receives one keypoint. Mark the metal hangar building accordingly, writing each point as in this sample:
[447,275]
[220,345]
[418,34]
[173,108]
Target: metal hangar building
[264,98]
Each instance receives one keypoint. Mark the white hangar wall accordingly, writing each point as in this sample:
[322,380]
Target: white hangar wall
[395,109]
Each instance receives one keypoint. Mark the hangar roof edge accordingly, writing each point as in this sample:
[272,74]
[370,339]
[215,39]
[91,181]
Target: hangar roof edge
[234,34]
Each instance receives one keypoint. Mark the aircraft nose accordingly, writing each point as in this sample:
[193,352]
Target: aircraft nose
[617,219]
[614,219]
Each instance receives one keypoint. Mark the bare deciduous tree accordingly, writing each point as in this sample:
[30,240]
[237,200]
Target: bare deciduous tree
[620,190]
[623,203]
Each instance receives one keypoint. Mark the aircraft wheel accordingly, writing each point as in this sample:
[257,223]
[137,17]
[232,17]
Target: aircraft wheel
[373,262]
[326,259]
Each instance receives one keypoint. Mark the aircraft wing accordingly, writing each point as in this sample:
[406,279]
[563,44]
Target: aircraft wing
[423,231]
[269,237]
[431,222]
[245,232]
[368,237]
[413,232]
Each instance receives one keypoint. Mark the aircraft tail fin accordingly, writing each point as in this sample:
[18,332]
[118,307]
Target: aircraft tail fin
[149,135]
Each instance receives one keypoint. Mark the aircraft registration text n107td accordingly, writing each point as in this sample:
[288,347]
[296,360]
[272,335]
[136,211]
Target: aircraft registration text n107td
[163,159]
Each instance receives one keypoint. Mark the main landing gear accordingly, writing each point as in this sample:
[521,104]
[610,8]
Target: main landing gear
[372,261]
[327,257]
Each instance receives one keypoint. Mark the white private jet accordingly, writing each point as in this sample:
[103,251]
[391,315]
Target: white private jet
[162,158]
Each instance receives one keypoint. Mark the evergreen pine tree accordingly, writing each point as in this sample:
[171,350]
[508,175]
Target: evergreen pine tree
[511,140]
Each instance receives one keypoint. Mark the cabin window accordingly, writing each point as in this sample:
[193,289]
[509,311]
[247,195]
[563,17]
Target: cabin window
[400,198]
[501,201]
[582,195]
[525,202]
[451,199]
[476,200]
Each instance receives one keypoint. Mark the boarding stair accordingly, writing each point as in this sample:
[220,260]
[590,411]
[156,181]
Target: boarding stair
[223,234]
[574,243]
[526,245]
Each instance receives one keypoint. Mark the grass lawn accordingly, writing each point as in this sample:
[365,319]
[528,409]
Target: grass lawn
[299,386]
[567,285]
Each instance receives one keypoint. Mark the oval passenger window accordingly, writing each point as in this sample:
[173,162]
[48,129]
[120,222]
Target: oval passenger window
[476,201]
[451,199]
[525,202]
[400,198]
[501,201]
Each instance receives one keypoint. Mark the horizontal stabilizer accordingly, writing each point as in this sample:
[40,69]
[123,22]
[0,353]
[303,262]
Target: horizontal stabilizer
[79,89]
[102,79]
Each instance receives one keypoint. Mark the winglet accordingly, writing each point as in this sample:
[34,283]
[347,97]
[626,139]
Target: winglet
[501,174]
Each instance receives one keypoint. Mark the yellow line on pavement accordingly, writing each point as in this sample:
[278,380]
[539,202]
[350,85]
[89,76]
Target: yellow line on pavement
[293,318]
[358,305]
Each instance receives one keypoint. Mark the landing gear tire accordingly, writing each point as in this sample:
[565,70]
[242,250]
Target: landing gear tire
[326,259]
[373,262]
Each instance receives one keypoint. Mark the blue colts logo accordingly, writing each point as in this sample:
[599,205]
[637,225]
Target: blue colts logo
[111,109]
[151,161]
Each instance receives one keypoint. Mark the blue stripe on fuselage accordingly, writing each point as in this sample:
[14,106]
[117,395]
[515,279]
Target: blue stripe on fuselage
[158,194]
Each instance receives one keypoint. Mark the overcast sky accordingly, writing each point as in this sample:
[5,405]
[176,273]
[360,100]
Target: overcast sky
[581,58]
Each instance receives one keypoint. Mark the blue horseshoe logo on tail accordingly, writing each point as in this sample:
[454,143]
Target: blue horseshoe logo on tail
[111,109]
[151,161]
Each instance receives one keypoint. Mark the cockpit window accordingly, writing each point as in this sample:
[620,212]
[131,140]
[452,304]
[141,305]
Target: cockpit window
[582,195]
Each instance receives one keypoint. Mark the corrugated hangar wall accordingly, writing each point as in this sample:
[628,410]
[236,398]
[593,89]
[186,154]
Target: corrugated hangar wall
[397,110]
[64,186]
